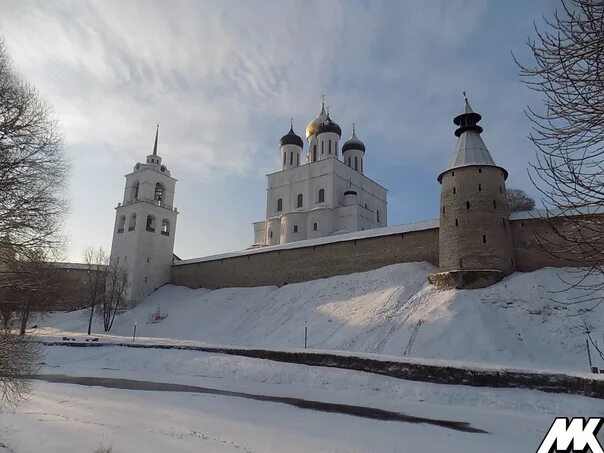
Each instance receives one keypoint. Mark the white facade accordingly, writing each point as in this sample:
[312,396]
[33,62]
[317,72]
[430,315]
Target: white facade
[324,195]
[145,224]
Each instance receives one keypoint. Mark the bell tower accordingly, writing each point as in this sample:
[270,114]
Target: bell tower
[145,223]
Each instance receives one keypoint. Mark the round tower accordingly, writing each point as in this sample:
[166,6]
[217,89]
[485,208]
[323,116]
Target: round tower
[328,136]
[353,152]
[475,244]
[290,146]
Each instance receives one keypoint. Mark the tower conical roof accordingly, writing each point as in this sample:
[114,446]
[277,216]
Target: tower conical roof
[470,149]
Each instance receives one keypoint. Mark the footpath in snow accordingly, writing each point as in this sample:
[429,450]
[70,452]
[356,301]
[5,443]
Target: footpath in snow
[391,311]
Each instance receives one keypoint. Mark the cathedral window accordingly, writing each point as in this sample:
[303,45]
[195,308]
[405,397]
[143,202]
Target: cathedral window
[377,212]
[280,205]
[329,148]
[121,223]
[321,195]
[361,165]
[132,223]
[295,228]
[336,147]
[356,163]
[297,159]
[284,158]
[314,226]
[135,191]
[314,153]
[270,234]
[300,200]
[159,194]
[150,224]
[165,227]
[291,158]
[322,147]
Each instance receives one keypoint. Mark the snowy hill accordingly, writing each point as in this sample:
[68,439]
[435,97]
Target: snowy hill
[392,311]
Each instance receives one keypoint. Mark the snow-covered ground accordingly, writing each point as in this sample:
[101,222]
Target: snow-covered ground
[67,417]
[387,311]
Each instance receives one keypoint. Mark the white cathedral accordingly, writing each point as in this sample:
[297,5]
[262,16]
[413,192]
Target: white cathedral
[324,195]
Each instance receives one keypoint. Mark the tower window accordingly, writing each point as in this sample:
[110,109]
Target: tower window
[329,148]
[314,226]
[456,222]
[443,209]
[291,158]
[361,165]
[321,195]
[356,163]
[280,205]
[165,227]
[150,224]
[377,212]
[295,228]
[300,200]
[132,222]
[480,187]
[460,263]
[454,191]
[121,223]
[494,204]
[322,147]
[500,189]
[452,173]
[484,238]
[503,221]
[314,153]
[135,191]
[480,170]
[297,159]
[159,194]
[284,158]
[467,205]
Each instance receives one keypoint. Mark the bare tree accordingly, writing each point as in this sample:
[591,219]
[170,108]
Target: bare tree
[19,359]
[114,297]
[518,200]
[33,172]
[96,261]
[33,169]
[568,134]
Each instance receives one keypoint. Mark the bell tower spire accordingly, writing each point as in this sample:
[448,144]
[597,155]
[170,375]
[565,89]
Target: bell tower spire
[155,144]
[153,158]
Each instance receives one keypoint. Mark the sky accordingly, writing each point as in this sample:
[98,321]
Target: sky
[223,78]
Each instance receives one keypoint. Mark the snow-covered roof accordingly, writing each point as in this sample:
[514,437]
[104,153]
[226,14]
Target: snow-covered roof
[375,232]
[544,214]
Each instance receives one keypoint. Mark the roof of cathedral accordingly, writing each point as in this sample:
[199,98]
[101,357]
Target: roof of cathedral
[291,138]
[470,150]
[312,127]
[329,125]
[353,142]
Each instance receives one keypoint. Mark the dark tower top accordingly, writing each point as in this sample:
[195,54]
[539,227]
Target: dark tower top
[470,149]
[291,138]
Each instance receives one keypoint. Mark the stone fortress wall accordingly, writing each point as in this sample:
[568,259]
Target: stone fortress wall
[349,253]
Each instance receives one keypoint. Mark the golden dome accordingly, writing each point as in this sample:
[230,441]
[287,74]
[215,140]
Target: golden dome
[312,127]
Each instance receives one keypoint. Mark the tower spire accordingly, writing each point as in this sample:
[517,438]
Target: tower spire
[155,144]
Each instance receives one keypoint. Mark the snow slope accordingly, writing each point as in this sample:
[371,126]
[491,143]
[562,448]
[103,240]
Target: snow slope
[388,311]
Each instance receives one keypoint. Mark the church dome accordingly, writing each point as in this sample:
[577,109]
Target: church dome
[313,126]
[353,143]
[291,138]
[329,126]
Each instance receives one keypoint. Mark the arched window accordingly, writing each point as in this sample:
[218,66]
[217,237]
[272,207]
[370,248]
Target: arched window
[314,226]
[165,227]
[295,228]
[321,195]
[132,223]
[270,234]
[121,223]
[280,205]
[135,191]
[377,212]
[150,224]
[159,194]
[300,200]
